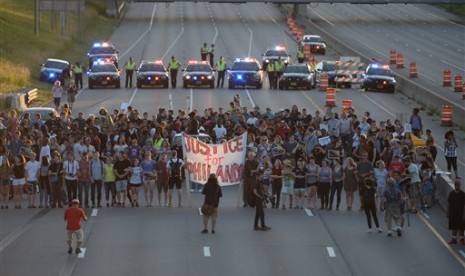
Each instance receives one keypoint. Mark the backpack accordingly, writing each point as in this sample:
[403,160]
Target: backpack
[175,168]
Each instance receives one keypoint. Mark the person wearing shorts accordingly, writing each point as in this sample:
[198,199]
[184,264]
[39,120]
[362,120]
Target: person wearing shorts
[162,179]
[392,201]
[19,179]
[121,170]
[73,216]
[174,166]
[299,183]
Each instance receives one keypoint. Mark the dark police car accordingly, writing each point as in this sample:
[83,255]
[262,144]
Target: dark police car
[152,73]
[297,76]
[51,70]
[198,73]
[103,52]
[273,54]
[104,74]
[245,73]
[378,77]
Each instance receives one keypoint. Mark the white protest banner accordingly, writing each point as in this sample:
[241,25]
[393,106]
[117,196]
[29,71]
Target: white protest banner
[407,128]
[325,140]
[225,160]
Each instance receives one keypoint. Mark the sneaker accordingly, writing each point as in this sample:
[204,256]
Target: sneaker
[204,231]
[78,250]
[389,234]
[266,228]
[453,241]
[379,230]
[399,232]
[213,232]
[256,228]
[369,230]
[70,250]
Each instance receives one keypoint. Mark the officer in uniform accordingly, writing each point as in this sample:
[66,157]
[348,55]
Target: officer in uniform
[204,51]
[270,70]
[173,66]
[313,64]
[221,69]
[279,69]
[130,66]
[301,55]
[212,54]
[78,70]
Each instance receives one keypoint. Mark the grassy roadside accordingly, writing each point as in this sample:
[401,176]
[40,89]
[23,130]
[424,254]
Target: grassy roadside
[457,9]
[21,51]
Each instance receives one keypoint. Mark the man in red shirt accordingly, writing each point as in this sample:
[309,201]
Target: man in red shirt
[397,165]
[73,217]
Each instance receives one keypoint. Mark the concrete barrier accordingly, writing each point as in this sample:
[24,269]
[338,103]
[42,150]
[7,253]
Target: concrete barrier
[444,185]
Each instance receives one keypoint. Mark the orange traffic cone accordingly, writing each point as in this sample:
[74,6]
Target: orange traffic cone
[330,97]
[413,70]
[400,61]
[447,78]
[446,115]
[392,57]
[323,83]
[458,83]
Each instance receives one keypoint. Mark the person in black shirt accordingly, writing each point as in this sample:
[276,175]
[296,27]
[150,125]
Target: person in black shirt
[212,192]
[259,194]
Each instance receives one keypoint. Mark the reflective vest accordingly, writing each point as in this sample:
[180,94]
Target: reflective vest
[174,64]
[78,69]
[204,50]
[300,54]
[220,65]
[157,143]
[313,65]
[130,65]
[279,66]
[270,67]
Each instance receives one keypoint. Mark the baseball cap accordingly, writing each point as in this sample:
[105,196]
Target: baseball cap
[75,201]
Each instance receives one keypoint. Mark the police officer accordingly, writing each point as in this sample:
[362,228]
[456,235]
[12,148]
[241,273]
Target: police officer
[78,70]
[212,54]
[270,70]
[301,55]
[130,66]
[221,69]
[279,69]
[204,51]
[313,64]
[173,66]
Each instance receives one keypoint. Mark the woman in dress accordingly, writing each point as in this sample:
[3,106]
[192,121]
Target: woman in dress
[288,183]
[19,179]
[324,184]
[350,182]
[299,183]
[135,181]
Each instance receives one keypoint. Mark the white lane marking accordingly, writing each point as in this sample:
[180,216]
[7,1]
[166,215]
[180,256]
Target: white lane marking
[312,102]
[82,254]
[250,97]
[448,63]
[309,212]
[331,252]
[216,34]
[451,22]
[426,215]
[143,34]
[94,212]
[171,101]
[320,16]
[191,99]
[206,251]
[462,253]
[250,42]
[133,96]
[441,239]
[174,42]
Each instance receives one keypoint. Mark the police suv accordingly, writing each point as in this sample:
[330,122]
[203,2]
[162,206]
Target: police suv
[104,74]
[51,70]
[378,77]
[152,73]
[103,52]
[245,73]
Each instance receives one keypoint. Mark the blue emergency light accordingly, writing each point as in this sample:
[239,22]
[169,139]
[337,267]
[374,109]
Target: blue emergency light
[239,77]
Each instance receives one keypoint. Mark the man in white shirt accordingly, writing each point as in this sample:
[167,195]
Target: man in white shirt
[32,177]
[70,168]
[45,149]
[413,172]
[219,129]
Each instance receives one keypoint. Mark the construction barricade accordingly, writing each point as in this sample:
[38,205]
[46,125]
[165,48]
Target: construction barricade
[349,73]
[346,105]
[446,115]
[447,78]
[458,83]
[323,83]
[392,57]
[400,61]
[413,70]
[330,97]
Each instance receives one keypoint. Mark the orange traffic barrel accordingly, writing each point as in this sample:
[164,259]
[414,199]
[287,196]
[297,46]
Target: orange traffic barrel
[458,83]
[447,78]
[289,19]
[330,97]
[392,57]
[446,115]
[400,61]
[346,104]
[413,70]
[323,83]
[300,35]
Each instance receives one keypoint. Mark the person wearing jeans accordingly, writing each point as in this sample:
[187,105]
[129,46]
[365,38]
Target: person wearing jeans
[84,179]
[96,177]
[338,176]
[71,168]
[109,180]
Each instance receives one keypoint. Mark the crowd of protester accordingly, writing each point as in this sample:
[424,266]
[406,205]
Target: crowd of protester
[105,159]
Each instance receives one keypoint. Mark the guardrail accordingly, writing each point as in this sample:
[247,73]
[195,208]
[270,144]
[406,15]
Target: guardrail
[29,93]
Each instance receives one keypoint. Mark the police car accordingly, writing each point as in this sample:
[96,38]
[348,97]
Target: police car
[273,54]
[317,44]
[245,73]
[198,73]
[103,51]
[104,74]
[51,70]
[152,73]
[378,77]
[297,76]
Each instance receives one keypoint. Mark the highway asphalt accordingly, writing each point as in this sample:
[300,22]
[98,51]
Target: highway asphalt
[163,241]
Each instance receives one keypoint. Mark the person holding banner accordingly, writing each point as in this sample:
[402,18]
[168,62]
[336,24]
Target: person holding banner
[174,166]
[250,172]
[212,192]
